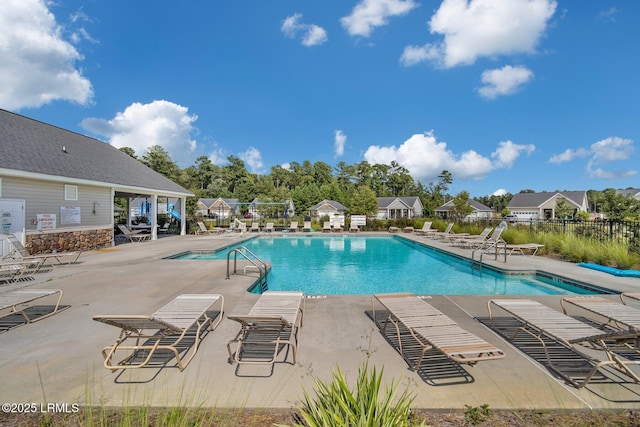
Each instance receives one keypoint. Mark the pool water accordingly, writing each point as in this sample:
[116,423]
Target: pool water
[366,265]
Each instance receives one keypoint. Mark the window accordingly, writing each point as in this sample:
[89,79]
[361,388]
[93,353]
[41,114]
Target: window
[71,192]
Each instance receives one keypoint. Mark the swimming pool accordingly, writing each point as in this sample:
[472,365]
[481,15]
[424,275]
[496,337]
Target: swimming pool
[347,264]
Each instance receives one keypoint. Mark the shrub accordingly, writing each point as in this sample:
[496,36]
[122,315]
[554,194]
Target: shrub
[335,404]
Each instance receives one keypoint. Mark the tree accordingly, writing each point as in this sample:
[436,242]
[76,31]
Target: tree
[157,158]
[130,151]
[364,202]
[461,206]
[563,210]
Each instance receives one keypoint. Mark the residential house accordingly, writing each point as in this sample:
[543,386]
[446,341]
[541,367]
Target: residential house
[57,187]
[534,206]
[221,208]
[327,208]
[399,207]
[630,192]
[480,211]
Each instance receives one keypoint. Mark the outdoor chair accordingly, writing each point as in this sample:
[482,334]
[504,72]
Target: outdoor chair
[12,270]
[133,236]
[293,227]
[19,251]
[438,235]
[426,227]
[170,329]
[255,227]
[204,230]
[473,240]
[431,329]
[495,241]
[353,228]
[165,228]
[269,227]
[616,315]
[326,228]
[336,226]
[539,321]
[18,302]
[307,227]
[522,248]
[271,325]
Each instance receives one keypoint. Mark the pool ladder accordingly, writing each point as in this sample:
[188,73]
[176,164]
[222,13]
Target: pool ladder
[256,263]
[477,264]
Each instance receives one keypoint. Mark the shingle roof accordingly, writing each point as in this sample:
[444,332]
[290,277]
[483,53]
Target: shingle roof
[339,206]
[27,145]
[474,204]
[532,200]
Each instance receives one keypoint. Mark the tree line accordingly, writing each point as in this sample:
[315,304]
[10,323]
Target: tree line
[356,186]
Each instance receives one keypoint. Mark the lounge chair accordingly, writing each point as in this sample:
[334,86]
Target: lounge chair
[524,248]
[255,226]
[165,330]
[617,315]
[470,241]
[430,328]
[539,320]
[441,234]
[326,228]
[495,241]
[408,229]
[12,270]
[19,301]
[272,323]
[393,229]
[353,228]
[165,228]
[336,226]
[19,251]
[269,227]
[133,236]
[204,230]
[426,227]
[293,227]
[307,227]
[629,295]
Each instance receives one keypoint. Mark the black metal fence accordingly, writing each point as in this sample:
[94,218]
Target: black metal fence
[627,232]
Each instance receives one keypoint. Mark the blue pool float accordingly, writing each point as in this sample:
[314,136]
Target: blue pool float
[611,270]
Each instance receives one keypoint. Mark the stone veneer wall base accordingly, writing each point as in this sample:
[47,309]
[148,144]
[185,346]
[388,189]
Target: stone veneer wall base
[69,241]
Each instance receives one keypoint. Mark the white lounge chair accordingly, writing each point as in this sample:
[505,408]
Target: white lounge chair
[19,251]
[441,234]
[293,227]
[307,227]
[336,226]
[471,240]
[19,301]
[133,235]
[538,320]
[255,226]
[426,228]
[353,228]
[165,330]
[326,228]
[12,270]
[269,227]
[430,328]
[272,323]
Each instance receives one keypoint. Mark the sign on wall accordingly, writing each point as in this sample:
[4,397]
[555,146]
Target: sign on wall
[70,215]
[45,221]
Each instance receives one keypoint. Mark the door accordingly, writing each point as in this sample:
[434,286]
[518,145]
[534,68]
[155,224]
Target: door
[11,222]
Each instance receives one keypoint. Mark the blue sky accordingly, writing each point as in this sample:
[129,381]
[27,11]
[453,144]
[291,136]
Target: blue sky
[505,94]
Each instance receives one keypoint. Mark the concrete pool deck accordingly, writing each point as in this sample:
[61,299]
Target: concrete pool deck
[59,359]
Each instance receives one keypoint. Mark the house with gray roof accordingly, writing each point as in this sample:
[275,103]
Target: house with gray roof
[327,208]
[399,207]
[480,211]
[57,187]
[534,206]
[218,208]
[630,192]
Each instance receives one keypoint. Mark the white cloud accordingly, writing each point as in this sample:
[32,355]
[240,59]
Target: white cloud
[499,192]
[253,159]
[412,55]
[425,157]
[340,140]
[140,126]
[37,66]
[504,81]
[611,149]
[508,152]
[312,34]
[486,28]
[568,155]
[369,14]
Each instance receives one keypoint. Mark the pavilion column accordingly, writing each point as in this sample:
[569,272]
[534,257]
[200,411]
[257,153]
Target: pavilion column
[183,215]
[154,217]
